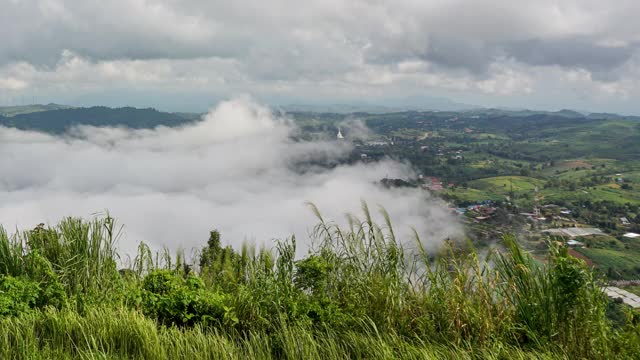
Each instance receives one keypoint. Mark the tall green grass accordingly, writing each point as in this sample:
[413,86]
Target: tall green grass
[360,292]
[126,334]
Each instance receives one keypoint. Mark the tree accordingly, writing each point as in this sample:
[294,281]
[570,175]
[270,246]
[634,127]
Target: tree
[220,265]
[212,250]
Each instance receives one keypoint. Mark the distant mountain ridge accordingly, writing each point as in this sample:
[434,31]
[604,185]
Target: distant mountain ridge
[399,105]
[60,120]
[54,118]
[8,111]
[437,105]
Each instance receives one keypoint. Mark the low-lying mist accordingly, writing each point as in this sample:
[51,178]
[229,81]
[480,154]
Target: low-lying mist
[235,171]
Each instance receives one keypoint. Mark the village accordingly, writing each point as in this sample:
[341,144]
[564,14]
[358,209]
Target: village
[496,186]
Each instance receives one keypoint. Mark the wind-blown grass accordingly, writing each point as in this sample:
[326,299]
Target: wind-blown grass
[126,334]
[359,293]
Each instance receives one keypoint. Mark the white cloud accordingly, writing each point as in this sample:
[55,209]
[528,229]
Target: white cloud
[234,171]
[506,80]
[11,83]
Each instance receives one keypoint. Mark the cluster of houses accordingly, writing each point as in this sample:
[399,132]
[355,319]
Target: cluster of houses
[433,183]
[479,212]
[440,151]
[377,143]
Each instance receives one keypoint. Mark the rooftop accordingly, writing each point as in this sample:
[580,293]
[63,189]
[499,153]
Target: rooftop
[573,232]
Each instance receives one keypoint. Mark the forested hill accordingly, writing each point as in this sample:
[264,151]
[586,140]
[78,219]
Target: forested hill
[58,121]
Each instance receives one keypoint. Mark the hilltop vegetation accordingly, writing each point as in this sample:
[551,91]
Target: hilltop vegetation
[359,293]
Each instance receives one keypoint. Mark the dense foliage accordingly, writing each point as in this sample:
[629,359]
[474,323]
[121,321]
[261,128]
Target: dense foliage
[359,293]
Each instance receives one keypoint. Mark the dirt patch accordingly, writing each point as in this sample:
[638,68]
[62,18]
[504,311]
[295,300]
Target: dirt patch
[580,256]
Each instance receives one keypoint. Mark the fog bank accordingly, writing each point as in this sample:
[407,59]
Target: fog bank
[234,171]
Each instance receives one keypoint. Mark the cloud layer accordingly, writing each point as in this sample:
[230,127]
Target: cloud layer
[498,50]
[235,171]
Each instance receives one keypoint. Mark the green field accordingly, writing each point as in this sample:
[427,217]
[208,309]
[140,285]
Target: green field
[624,263]
[497,188]
[504,184]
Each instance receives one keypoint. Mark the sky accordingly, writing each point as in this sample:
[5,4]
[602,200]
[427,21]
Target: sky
[238,170]
[186,55]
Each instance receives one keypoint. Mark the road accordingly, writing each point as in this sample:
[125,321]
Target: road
[628,298]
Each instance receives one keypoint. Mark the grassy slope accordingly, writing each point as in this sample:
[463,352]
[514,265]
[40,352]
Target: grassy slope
[497,188]
[624,262]
[502,185]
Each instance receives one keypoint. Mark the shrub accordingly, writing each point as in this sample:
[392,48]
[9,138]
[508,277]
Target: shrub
[174,300]
[17,295]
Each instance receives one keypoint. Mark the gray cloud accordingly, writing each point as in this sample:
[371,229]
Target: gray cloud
[572,53]
[330,48]
[232,171]
[457,33]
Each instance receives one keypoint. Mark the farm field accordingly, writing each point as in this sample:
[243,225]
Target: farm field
[623,263]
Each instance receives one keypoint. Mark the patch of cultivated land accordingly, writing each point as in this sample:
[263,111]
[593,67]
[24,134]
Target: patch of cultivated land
[519,183]
[623,263]
[570,164]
